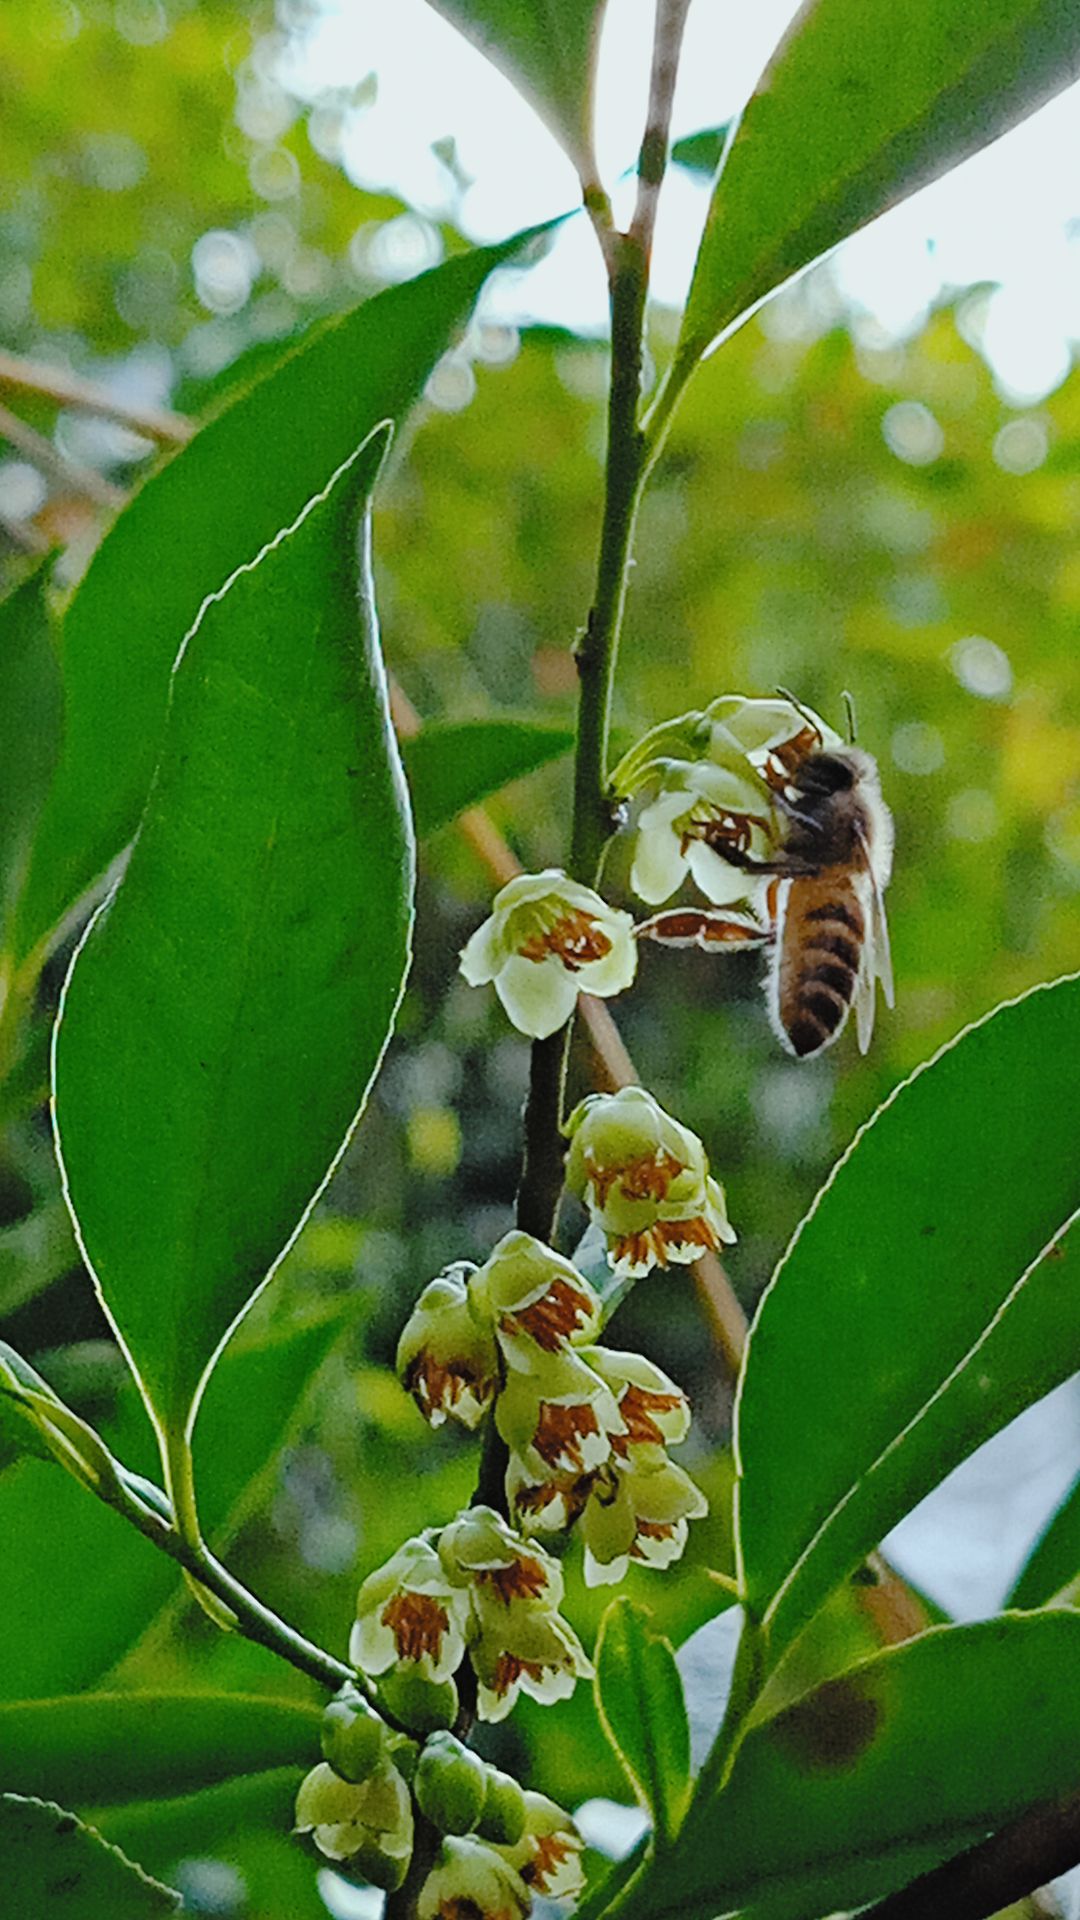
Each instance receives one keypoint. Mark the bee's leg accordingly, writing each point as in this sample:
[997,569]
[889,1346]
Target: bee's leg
[791,812]
[698,927]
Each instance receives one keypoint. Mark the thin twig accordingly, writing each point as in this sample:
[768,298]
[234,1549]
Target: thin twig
[41,451]
[253,1620]
[71,390]
[1036,1847]
[653,158]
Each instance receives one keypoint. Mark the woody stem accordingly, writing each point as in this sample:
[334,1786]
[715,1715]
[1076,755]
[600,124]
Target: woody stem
[627,257]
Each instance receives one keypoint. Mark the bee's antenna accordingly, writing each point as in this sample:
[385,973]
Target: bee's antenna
[803,712]
[849,709]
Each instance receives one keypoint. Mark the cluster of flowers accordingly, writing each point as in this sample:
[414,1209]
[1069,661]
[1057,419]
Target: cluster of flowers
[586,1428]
[474,1588]
[715,775]
[499,1845]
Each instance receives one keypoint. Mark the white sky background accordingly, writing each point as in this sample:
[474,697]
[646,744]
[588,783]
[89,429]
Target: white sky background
[1006,216]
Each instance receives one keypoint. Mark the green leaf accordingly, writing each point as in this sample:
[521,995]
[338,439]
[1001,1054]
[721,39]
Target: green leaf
[701,152]
[857,109]
[229,1006]
[60,1542]
[880,1774]
[248,473]
[147,1746]
[912,1315]
[54,1865]
[1054,1560]
[31,717]
[238,1822]
[451,766]
[639,1697]
[547,49]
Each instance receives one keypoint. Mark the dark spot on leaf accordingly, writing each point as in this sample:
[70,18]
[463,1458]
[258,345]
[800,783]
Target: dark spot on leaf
[1055,1252]
[67,1823]
[866,1576]
[927,1232]
[831,1728]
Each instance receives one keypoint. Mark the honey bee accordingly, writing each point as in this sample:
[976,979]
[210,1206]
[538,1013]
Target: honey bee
[826,931]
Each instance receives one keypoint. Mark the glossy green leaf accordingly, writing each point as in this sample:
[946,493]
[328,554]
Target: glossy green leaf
[547,49]
[881,1773]
[228,1009]
[639,1697]
[453,766]
[248,473]
[61,1543]
[857,109]
[31,717]
[54,1865]
[914,1293]
[1054,1560]
[147,1746]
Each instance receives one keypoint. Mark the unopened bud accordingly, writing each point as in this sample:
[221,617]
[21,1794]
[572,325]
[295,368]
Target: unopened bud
[423,1705]
[352,1737]
[450,1784]
[503,1816]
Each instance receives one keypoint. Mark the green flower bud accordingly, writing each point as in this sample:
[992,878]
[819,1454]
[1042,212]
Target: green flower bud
[352,1737]
[404,1754]
[450,1784]
[503,1816]
[421,1704]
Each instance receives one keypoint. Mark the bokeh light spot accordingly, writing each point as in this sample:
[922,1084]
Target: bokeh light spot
[912,433]
[982,667]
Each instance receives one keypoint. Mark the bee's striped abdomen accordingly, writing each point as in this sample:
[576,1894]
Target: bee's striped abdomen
[819,955]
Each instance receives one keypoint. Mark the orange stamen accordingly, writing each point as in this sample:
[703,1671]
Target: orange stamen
[417,1622]
[509,1668]
[435,1384]
[523,1579]
[552,1319]
[646,1179]
[550,1850]
[638,1406]
[560,1431]
[653,1243]
[575,939]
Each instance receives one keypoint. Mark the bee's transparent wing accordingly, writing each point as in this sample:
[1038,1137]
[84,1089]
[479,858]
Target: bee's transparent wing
[876,959]
[865,998]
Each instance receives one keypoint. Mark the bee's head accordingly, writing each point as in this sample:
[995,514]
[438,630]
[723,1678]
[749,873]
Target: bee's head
[826,773]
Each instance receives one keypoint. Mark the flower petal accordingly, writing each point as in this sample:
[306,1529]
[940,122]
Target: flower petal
[539,995]
[659,862]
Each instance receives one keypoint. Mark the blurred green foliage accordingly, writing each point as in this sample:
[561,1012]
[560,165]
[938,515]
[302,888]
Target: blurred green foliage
[834,511]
